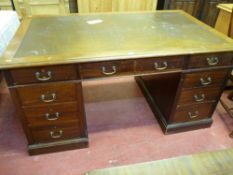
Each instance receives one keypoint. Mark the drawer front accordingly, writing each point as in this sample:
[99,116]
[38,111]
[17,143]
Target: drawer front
[199,95]
[210,60]
[43,74]
[193,112]
[55,133]
[52,114]
[103,69]
[159,64]
[207,78]
[48,94]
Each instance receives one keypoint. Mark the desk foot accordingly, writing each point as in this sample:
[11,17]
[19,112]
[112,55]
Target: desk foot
[63,145]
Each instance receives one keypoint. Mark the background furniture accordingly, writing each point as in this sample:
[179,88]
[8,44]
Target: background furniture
[204,10]
[182,83]
[37,7]
[224,20]
[211,163]
[6,5]
[90,6]
[227,102]
[224,25]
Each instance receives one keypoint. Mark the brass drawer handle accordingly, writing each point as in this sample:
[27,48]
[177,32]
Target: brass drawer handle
[43,77]
[46,99]
[212,61]
[104,71]
[193,114]
[52,117]
[199,98]
[56,134]
[206,82]
[162,67]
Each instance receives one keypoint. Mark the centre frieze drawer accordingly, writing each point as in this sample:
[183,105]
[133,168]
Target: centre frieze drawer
[106,68]
[159,64]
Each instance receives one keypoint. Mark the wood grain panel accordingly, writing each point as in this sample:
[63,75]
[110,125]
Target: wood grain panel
[134,5]
[210,11]
[92,6]
[89,6]
[186,5]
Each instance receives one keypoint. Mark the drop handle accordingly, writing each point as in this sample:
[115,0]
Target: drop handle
[42,77]
[193,114]
[162,66]
[212,61]
[52,117]
[56,134]
[48,98]
[105,72]
[206,81]
[199,98]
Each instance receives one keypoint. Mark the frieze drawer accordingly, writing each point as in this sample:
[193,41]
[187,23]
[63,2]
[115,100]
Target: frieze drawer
[42,74]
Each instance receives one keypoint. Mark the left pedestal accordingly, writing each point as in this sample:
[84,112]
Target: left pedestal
[49,102]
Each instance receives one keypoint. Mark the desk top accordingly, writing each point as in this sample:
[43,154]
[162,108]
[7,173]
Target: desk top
[45,40]
[209,163]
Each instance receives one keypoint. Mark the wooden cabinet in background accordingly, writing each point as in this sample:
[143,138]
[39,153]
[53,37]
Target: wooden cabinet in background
[91,6]
[5,5]
[37,7]
[210,11]
[186,5]
[205,10]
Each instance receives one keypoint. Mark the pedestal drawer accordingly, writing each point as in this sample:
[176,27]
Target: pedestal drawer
[207,78]
[56,132]
[199,95]
[210,60]
[193,112]
[52,114]
[107,68]
[48,94]
[42,74]
[159,64]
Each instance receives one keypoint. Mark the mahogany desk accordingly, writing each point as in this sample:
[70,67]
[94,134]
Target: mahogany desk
[180,64]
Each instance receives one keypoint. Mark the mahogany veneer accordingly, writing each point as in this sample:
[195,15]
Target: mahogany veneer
[180,64]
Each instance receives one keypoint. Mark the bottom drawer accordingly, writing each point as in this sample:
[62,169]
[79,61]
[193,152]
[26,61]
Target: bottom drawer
[54,133]
[193,112]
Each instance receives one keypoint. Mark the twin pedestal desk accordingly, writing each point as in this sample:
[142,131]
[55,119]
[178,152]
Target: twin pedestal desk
[180,64]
